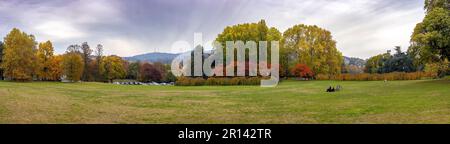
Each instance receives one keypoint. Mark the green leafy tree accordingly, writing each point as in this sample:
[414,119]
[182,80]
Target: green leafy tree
[430,41]
[432,4]
[399,62]
[376,63]
[133,70]
[112,67]
[170,77]
[313,46]
[19,58]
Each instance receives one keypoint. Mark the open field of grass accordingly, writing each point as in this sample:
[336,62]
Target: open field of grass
[426,101]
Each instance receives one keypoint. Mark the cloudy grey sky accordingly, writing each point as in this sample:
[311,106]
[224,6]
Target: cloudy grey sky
[362,28]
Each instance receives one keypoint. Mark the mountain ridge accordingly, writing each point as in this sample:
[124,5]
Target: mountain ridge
[153,57]
[168,57]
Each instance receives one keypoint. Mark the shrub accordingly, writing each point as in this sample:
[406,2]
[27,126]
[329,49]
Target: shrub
[182,81]
[253,81]
[322,77]
[302,71]
[379,77]
[197,82]
[214,81]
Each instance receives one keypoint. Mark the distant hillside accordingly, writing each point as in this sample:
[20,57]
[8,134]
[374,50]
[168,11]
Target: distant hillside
[354,61]
[353,65]
[168,57]
[153,57]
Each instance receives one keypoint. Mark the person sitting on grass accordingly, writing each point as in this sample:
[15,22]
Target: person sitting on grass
[330,89]
[338,88]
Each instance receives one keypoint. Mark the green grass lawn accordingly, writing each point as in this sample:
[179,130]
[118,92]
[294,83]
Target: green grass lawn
[426,101]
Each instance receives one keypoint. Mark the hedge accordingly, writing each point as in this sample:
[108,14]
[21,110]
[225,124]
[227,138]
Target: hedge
[218,81]
[378,77]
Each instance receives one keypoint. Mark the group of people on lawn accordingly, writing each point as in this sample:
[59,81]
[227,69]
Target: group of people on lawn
[332,89]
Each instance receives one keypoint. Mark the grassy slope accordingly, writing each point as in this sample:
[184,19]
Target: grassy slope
[291,102]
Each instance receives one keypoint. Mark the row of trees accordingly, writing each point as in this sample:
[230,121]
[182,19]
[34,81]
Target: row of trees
[23,59]
[387,63]
[430,45]
[307,51]
[310,46]
[149,72]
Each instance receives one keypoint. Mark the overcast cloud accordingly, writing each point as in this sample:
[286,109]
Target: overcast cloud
[362,28]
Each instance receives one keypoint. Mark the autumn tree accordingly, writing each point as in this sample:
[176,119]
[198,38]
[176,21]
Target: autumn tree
[86,52]
[96,65]
[1,57]
[44,60]
[161,68]
[56,68]
[73,63]
[19,59]
[148,73]
[313,46]
[249,32]
[302,71]
[111,67]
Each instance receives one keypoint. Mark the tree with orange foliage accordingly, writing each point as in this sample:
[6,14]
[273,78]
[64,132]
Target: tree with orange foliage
[56,70]
[302,71]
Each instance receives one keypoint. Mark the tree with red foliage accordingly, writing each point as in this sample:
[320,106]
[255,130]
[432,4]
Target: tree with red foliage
[148,73]
[302,71]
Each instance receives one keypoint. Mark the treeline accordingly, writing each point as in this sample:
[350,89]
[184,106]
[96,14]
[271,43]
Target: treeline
[379,77]
[218,81]
[23,59]
[309,52]
[301,44]
[430,45]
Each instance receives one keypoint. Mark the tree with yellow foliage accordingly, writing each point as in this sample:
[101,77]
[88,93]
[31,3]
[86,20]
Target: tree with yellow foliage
[313,46]
[44,60]
[1,57]
[112,67]
[56,70]
[19,59]
[72,64]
